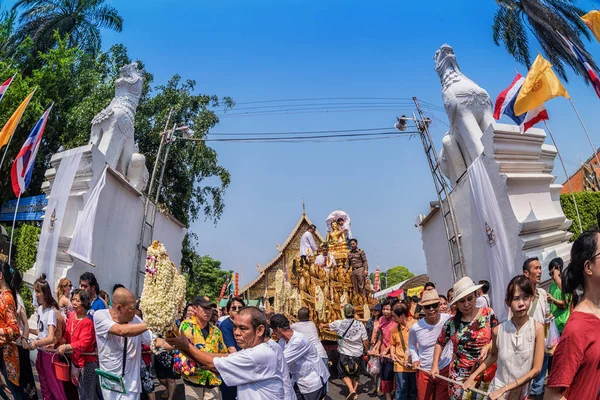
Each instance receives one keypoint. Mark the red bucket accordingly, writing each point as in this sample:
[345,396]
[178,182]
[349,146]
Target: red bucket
[61,369]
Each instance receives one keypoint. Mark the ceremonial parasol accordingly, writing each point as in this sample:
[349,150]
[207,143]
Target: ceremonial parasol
[334,216]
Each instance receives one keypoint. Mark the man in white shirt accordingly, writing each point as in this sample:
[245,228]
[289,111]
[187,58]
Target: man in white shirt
[308,328]
[484,299]
[116,328]
[325,260]
[352,344]
[309,375]
[422,338]
[308,247]
[259,370]
[539,310]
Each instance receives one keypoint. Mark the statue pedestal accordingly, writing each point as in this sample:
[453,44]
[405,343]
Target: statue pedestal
[519,167]
[116,232]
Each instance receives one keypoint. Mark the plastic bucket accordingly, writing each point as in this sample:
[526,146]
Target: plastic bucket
[61,369]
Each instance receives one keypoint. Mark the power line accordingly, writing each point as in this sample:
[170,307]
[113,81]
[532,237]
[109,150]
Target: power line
[298,132]
[328,105]
[288,138]
[408,99]
[312,111]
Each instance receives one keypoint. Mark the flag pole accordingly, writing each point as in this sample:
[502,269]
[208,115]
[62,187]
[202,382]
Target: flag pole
[11,136]
[586,133]
[12,232]
[566,176]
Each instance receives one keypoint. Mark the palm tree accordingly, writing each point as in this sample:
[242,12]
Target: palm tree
[81,20]
[517,19]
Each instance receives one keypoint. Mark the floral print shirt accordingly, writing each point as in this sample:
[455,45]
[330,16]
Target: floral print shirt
[8,324]
[468,339]
[212,344]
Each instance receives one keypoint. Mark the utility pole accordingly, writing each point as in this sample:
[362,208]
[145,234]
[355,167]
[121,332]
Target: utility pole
[167,137]
[441,187]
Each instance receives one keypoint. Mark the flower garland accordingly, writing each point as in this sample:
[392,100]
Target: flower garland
[164,291]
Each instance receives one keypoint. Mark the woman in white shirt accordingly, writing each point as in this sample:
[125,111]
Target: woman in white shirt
[517,346]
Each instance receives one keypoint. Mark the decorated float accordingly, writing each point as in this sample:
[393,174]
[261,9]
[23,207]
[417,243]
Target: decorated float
[324,287]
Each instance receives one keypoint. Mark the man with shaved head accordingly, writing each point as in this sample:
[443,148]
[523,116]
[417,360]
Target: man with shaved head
[259,370]
[119,337]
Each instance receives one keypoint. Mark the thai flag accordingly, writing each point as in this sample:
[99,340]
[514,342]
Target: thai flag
[22,167]
[505,104]
[593,77]
[4,86]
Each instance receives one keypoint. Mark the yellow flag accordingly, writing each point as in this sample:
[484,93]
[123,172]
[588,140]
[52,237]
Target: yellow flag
[592,20]
[541,85]
[415,291]
[11,124]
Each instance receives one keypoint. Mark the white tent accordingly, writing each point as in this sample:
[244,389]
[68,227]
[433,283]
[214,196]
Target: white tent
[384,292]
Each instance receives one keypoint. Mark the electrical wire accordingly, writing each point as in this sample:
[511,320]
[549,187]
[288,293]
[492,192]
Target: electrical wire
[325,98]
[298,132]
[315,111]
[289,138]
[327,105]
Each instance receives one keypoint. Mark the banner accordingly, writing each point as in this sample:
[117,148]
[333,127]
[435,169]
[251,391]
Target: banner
[222,292]
[81,241]
[55,212]
[30,209]
[491,223]
[416,291]
[236,287]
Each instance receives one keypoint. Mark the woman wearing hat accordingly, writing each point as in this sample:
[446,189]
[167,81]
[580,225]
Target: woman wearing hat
[470,332]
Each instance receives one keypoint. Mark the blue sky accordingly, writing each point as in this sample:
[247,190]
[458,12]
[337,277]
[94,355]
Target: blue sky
[266,50]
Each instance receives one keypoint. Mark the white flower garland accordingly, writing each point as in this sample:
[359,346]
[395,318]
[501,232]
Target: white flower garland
[164,291]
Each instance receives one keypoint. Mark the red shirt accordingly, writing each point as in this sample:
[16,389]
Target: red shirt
[81,336]
[576,362]
[146,355]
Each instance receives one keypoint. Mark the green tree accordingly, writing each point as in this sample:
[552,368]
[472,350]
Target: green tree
[25,242]
[398,274]
[588,204]
[516,19]
[203,274]
[80,20]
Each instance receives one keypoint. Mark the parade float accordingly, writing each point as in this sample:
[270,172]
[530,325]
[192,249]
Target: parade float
[289,282]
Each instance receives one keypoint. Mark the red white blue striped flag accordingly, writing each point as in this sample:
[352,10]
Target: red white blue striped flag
[4,86]
[22,167]
[583,61]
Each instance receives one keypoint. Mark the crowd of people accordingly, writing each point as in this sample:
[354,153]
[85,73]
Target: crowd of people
[431,347]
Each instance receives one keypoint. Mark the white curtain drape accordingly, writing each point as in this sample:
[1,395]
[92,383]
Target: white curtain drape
[491,225]
[55,212]
[81,241]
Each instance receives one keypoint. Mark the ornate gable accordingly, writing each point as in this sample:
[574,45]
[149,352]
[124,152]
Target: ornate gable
[290,249]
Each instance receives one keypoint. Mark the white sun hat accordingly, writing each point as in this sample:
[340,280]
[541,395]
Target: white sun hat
[462,288]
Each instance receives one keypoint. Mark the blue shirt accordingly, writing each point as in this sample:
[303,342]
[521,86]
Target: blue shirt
[97,304]
[226,328]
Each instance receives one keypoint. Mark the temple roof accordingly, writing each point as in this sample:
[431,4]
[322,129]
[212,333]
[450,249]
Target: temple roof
[281,249]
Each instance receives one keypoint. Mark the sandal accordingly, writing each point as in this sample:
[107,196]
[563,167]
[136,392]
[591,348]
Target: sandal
[352,396]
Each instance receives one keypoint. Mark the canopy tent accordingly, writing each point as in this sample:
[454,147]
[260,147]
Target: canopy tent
[396,293]
[383,293]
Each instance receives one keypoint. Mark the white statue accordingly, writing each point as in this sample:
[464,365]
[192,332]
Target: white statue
[469,110]
[113,128]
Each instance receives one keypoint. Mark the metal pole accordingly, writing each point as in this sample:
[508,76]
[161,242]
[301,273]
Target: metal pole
[12,232]
[586,133]
[444,188]
[146,205]
[566,176]
[162,171]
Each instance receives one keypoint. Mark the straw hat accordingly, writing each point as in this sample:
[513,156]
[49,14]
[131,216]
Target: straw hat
[430,297]
[462,288]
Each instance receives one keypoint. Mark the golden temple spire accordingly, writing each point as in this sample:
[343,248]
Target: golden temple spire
[303,208]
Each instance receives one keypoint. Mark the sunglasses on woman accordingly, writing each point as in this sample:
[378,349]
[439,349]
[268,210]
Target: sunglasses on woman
[469,299]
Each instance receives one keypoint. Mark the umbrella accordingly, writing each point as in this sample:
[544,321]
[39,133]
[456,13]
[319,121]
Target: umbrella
[334,216]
